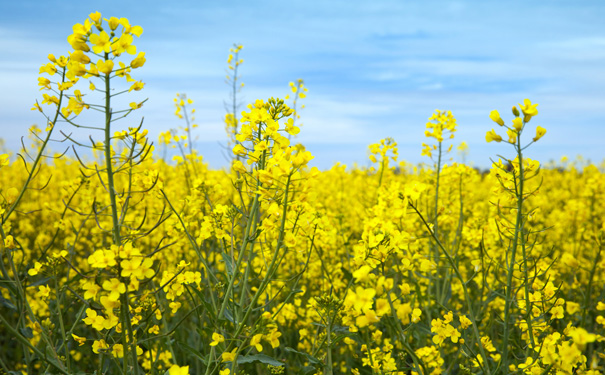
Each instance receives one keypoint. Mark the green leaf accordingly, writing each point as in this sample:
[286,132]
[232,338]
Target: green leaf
[309,357]
[308,370]
[259,358]
[6,303]
[229,315]
[193,352]
[228,263]
[27,332]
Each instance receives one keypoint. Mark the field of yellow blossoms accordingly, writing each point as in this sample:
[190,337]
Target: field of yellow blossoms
[116,261]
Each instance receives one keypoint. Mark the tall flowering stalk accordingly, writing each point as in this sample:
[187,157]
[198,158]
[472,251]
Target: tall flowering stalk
[514,181]
[441,126]
[233,79]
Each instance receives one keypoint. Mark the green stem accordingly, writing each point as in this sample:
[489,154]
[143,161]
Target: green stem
[117,240]
[63,336]
[467,297]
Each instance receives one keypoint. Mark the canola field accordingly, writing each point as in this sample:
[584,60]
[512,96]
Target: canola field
[114,260]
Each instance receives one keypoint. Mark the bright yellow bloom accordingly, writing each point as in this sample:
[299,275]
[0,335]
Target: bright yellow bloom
[495,116]
[124,44]
[44,83]
[518,124]
[99,345]
[256,342]
[416,313]
[178,370]
[216,339]
[78,41]
[540,131]
[138,61]
[528,109]
[102,259]
[101,42]
[11,195]
[80,340]
[32,271]
[130,266]
[113,23]
[274,338]
[492,136]
[229,356]
[137,86]
[105,66]
[91,289]
[9,243]
[80,57]
[135,30]
[239,150]
[115,287]
[49,68]
[95,17]
[465,322]
[512,136]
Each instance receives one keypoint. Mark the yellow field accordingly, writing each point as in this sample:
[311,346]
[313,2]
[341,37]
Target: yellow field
[119,262]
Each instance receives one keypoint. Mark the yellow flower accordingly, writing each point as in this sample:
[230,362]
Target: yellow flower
[99,345]
[239,150]
[216,339]
[512,136]
[274,338]
[32,271]
[44,83]
[80,340]
[105,66]
[115,287]
[130,266]
[101,42]
[540,131]
[135,30]
[492,136]
[495,116]
[95,17]
[256,342]
[11,195]
[80,57]
[90,289]
[465,322]
[518,124]
[43,291]
[124,44]
[416,313]
[49,68]
[137,86]
[9,243]
[102,259]
[229,356]
[528,109]
[178,370]
[138,61]
[113,23]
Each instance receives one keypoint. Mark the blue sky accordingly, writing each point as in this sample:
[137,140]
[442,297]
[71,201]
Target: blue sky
[374,69]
